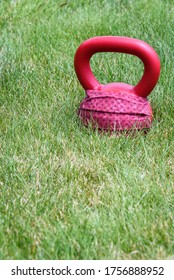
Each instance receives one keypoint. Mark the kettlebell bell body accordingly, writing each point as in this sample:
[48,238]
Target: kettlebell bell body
[116,106]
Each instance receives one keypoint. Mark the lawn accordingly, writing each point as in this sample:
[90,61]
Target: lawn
[66,191]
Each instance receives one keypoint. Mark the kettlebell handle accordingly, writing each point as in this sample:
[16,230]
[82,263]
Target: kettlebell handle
[122,45]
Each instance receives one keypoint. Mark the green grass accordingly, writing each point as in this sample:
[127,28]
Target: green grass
[67,192]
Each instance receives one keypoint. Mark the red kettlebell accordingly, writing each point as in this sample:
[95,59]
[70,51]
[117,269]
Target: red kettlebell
[116,106]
